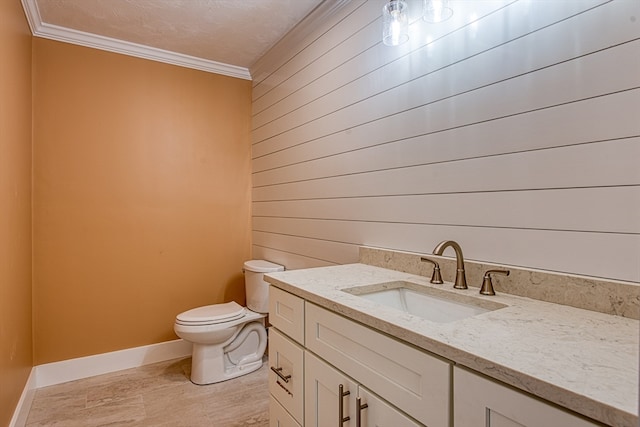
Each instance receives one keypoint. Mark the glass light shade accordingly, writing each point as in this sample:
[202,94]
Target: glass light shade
[395,23]
[436,10]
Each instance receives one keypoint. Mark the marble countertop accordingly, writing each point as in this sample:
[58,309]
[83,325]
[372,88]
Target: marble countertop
[582,360]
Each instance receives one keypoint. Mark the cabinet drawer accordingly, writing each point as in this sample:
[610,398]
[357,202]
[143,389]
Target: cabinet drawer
[410,379]
[482,402]
[278,416]
[286,312]
[287,384]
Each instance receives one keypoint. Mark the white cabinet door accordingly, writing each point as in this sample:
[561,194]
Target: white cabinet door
[322,400]
[480,402]
[322,397]
[379,413]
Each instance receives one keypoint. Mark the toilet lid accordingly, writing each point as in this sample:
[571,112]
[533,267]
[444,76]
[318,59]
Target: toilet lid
[209,314]
[262,266]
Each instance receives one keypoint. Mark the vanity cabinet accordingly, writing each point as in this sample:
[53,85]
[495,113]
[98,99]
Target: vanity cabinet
[313,350]
[481,402]
[332,398]
[317,351]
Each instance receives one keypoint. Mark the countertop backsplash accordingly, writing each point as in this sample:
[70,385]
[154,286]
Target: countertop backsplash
[604,296]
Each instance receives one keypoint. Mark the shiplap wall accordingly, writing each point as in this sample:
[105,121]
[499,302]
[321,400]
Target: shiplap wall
[513,128]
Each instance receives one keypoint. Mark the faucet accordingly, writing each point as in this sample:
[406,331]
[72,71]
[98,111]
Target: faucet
[461,279]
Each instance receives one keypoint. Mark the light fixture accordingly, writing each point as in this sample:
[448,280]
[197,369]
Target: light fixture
[395,23]
[395,18]
[436,10]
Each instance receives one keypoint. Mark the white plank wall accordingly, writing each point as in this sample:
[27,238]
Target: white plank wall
[513,128]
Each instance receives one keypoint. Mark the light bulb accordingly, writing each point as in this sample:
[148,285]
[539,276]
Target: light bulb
[436,10]
[395,23]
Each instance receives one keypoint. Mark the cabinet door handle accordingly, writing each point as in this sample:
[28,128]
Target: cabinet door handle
[359,408]
[341,395]
[278,372]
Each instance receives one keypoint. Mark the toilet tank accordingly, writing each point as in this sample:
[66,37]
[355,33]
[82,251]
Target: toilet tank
[257,289]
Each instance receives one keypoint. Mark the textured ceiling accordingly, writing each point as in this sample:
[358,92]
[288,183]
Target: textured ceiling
[234,32]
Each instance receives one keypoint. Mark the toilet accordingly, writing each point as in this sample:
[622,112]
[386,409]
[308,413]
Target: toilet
[229,340]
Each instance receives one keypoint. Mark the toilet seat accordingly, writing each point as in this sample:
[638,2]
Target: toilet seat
[211,314]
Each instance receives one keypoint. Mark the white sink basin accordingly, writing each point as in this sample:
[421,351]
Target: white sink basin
[425,302]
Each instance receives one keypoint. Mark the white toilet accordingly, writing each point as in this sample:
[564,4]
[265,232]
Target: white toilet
[229,340]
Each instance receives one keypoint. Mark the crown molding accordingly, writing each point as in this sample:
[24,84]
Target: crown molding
[54,32]
[312,23]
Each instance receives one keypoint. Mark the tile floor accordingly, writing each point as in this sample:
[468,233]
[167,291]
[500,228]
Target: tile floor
[153,395]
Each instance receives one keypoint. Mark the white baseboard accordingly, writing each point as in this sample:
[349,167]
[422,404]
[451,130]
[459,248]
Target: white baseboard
[84,367]
[21,413]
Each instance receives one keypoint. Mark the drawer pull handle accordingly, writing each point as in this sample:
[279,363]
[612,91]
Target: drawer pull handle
[278,372]
[341,395]
[360,407]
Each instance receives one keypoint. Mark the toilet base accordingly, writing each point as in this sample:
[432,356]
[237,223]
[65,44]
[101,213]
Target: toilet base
[201,376]
[233,373]
[215,363]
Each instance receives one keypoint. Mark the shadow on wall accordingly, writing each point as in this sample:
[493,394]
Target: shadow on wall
[234,289]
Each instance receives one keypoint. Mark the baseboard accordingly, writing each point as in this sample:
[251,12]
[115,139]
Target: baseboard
[21,412]
[84,367]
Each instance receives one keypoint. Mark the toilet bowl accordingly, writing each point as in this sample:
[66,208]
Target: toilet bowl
[229,340]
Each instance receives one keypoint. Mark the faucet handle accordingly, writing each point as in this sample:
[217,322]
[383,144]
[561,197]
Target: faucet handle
[436,277]
[487,284]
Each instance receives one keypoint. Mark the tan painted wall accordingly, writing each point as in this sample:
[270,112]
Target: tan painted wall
[16,355]
[141,197]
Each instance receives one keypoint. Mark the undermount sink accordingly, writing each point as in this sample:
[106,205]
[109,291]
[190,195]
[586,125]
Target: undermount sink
[428,303]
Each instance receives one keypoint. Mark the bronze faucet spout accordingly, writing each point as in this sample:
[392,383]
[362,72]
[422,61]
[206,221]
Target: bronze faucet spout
[461,279]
